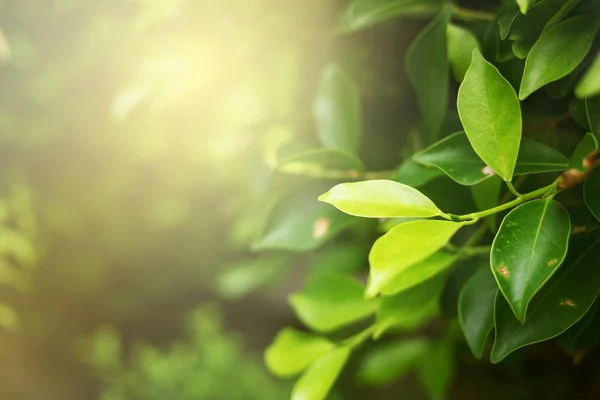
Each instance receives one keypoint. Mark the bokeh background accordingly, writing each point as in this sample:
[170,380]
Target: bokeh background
[136,140]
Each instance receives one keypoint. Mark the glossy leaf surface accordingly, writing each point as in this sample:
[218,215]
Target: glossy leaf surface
[331,301]
[293,351]
[426,65]
[380,199]
[318,379]
[491,116]
[338,111]
[535,157]
[476,309]
[530,246]
[589,85]
[567,297]
[558,52]
[403,246]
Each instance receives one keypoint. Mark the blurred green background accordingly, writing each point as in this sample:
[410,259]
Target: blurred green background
[136,140]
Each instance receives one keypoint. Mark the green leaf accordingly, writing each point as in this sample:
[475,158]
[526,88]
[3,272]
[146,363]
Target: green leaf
[414,174]
[565,9]
[530,246]
[558,52]
[298,222]
[331,301]
[390,361]
[293,351]
[426,65]
[405,245]
[506,20]
[592,110]
[320,160]
[589,85]
[584,334]
[591,192]
[456,158]
[486,195]
[535,157]
[419,272]
[338,111]
[410,308]
[525,5]
[436,368]
[566,297]
[528,28]
[361,14]
[491,116]
[586,147]
[461,272]
[318,379]
[380,199]
[461,43]
[476,309]
[245,277]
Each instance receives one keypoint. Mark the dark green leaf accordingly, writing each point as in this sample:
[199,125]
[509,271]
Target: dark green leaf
[390,361]
[558,52]
[566,297]
[298,222]
[592,110]
[591,192]
[506,20]
[577,111]
[536,157]
[527,29]
[486,195]
[436,368]
[331,301]
[338,111]
[565,9]
[476,309]
[530,246]
[380,199]
[455,280]
[419,272]
[586,147]
[584,334]
[405,245]
[293,351]
[426,64]
[589,85]
[461,43]
[410,308]
[365,13]
[414,174]
[318,379]
[491,115]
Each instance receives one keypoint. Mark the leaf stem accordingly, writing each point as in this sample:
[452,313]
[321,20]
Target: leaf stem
[359,338]
[467,14]
[512,189]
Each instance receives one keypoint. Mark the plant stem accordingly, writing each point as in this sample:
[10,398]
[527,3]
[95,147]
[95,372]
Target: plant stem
[359,338]
[467,14]
[467,252]
[512,189]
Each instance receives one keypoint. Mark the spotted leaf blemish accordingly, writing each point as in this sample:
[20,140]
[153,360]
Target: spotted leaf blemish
[488,171]
[321,227]
[568,303]
[552,262]
[503,271]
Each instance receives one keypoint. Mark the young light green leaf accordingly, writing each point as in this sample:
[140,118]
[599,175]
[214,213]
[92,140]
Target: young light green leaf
[589,85]
[525,5]
[414,174]
[426,65]
[380,199]
[527,29]
[390,361]
[566,297]
[338,111]
[535,157]
[331,301]
[361,14]
[410,308]
[588,145]
[461,43]
[419,272]
[486,195]
[530,246]
[318,379]
[403,246]
[299,223]
[476,309]
[491,116]
[591,192]
[592,110]
[293,351]
[558,52]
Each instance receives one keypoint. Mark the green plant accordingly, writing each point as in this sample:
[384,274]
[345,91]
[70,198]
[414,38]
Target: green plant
[491,218]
